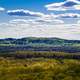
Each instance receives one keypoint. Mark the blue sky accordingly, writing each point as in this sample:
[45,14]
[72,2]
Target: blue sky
[40,18]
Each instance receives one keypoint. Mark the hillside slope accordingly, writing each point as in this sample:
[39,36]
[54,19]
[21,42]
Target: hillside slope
[40,44]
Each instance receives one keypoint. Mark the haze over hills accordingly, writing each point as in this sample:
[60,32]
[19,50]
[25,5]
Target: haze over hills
[40,44]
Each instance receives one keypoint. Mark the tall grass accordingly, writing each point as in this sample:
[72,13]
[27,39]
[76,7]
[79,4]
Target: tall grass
[28,65]
[39,69]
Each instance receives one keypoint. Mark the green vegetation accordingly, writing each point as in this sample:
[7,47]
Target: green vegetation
[39,42]
[41,54]
[38,68]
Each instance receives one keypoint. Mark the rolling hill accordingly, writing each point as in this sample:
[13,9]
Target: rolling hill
[40,44]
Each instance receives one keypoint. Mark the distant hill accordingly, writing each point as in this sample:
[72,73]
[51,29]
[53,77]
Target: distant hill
[39,41]
[40,44]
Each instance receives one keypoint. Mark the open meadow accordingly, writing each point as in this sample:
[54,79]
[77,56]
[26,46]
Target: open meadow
[39,66]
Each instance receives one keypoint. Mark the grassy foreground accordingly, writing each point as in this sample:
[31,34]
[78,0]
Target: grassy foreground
[39,69]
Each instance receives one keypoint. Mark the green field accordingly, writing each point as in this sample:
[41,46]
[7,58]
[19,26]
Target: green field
[41,68]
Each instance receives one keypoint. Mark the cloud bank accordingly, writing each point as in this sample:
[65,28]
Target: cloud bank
[18,28]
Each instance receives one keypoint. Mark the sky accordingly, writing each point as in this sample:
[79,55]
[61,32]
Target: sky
[40,18]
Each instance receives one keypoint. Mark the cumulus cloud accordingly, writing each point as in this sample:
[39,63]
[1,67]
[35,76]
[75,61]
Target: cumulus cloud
[68,15]
[63,6]
[1,9]
[18,21]
[46,17]
[48,21]
[22,12]
[62,15]
[38,21]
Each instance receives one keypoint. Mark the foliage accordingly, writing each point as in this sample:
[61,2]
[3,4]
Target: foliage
[39,69]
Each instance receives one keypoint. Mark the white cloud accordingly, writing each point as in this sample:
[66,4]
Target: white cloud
[22,12]
[68,15]
[2,9]
[63,6]
[18,28]
[51,19]
[18,21]
[78,22]
[38,21]
[25,28]
[77,7]
[55,6]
